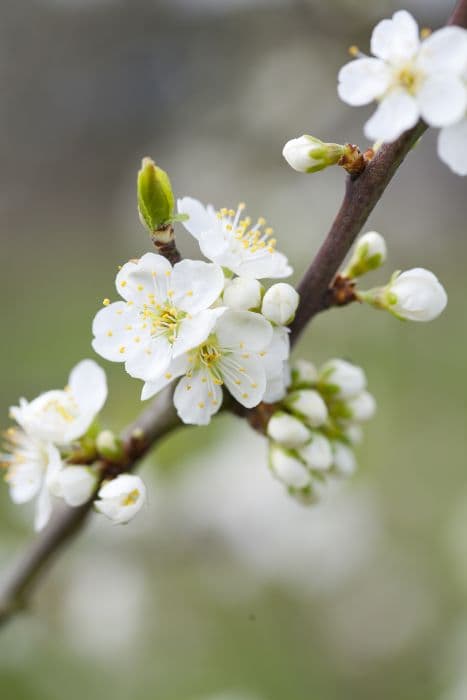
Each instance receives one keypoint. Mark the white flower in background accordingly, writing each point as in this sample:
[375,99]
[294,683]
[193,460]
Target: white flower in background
[416,295]
[280,304]
[287,468]
[247,249]
[31,465]
[304,372]
[308,154]
[361,407]
[410,78]
[74,483]
[452,146]
[61,416]
[369,254]
[344,461]
[309,405]
[231,355]
[343,379]
[242,294]
[354,434]
[317,453]
[122,498]
[287,430]
[276,365]
[165,313]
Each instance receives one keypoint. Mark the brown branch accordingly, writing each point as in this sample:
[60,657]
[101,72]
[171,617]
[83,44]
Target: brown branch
[361,195]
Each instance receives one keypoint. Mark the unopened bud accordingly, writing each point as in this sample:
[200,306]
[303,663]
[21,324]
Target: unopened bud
[341,378]
[369,254]
[280,304]
[344,462]
[361,407]
[308,154]
[75,484]
[317,453]
[243,294]
[109,445]
[287,430]
[155,197]
[309,405]
[304,373]
[287,468]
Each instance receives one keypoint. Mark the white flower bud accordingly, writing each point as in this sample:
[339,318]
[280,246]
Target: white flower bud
[308,154]
[308,404]
[362,407]
[243,294]
[345,463]
[121,498]
[416,295]
[287,430]
[280,304]
[317,453]
[342,378]
[354,434]
[304,372]
[109,445]
[370,253]
[75,484]
[287,468]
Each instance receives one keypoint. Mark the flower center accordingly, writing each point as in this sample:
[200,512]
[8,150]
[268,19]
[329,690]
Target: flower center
[163,319]
[60,409]
[252,238]
[409,78]
[131,498]
[207,356]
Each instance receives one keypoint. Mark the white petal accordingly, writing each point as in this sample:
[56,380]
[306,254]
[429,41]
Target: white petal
[442,100]
[266,265]
[452,147]
[76,485]
[194,331]
[445,50]
[43,509]
[240,330]
[148,275]
[196,285]
[176,369]
[201,218]
[110,329]
[25,481]
[88,385]
[244,377]
[363,80]
[317,453]
[395,114]
[197,398]
[151,360]
[396,39]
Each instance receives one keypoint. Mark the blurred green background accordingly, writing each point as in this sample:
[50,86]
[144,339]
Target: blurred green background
[223,588]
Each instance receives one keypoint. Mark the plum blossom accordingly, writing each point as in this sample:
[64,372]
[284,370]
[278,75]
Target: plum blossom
[409,77]
[452,146]
[416,295]
[232,355]
[165,312]
[247,249]
[122,498]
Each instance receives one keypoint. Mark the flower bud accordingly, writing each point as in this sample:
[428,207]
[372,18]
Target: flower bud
[416,295]
[280,304]
[121,498]
[304,372]
[362,407]
[75,484]
[341,378]
[156,201]
[309,405]
[287,430]
[354,434]
[317,453]
[308,154]
[344,462]
[287,468]
[243,294]
[369,254]
[109,445]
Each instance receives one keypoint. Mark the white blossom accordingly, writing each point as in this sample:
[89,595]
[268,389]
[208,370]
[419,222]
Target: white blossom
[287,430]
[343,378]
[165,313]
[287,468]
[233,355]
[280,304]
[61,416]
[354,434]
[31,466]
[317,453]
[247,249]
[276,365]
[344,461]
[74,483]
[410,78]
[242,294]
[308,404]
[452,146]
[361,407]
[122,498]
[416,295]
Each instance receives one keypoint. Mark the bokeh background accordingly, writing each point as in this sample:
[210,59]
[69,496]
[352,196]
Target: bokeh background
[223,588]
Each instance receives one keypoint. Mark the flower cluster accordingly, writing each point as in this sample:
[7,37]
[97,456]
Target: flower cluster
[53,428]
[313,433]
[206,325]
[412,77]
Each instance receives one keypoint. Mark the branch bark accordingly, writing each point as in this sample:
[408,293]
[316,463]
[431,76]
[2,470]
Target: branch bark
[361,196]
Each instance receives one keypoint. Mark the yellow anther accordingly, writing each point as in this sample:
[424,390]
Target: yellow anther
[140,287]
[354,51]
[128,328]
[119,267]
[254,386]
[229,227]
[168,375]
[231,212]
[189,293]
[242,206]
[261,221]
[425,32]
[201,404]
[110,334]
[263,353]
[246,355]
[137,339]
[269,231]
[121,349]
[204,380]
[153,273]
[219,382]
[244,396]
[123,283]
[188,387]
[214,403]
[210,394]
[148,351]
[106,302]
[168,273]
[238,382]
